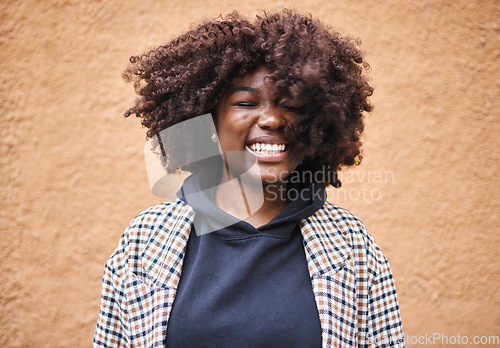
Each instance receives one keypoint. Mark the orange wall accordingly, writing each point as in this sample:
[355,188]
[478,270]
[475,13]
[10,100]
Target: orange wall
[73,176]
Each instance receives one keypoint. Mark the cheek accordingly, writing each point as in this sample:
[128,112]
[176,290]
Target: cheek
[295,159]
[231,139]
[235,130]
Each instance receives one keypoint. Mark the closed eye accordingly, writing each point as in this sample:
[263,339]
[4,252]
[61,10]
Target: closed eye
[246,104]
[288,108]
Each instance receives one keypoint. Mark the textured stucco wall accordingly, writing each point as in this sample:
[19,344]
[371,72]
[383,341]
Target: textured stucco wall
[72,173]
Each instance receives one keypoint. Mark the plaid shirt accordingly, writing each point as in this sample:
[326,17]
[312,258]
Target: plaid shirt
[351,280]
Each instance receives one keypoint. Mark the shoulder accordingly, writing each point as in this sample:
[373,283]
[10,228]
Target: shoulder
[147,228]
[341,215]
[161,218]
[159,213]
[339,219]
[344,227]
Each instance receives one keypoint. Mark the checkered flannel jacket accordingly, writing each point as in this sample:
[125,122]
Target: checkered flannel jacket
[351,280]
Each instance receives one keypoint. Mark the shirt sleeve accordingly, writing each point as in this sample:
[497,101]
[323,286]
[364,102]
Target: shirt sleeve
[113,325]
[385,328]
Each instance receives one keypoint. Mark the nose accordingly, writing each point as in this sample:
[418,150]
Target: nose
[271,118]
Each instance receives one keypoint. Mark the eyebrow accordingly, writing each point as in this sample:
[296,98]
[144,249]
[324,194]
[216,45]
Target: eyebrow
[244,88]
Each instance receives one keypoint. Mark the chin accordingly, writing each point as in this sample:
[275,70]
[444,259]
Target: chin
[273,175]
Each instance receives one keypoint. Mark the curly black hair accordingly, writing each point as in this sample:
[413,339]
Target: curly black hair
[322,72]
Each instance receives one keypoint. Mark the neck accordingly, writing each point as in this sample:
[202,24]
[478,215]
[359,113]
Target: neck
[255,204]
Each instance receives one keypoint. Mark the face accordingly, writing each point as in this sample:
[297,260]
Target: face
[252,121]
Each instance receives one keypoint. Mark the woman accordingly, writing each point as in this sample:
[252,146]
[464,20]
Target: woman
[287,97]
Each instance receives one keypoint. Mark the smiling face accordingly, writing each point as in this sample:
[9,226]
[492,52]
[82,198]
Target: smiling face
[250,119]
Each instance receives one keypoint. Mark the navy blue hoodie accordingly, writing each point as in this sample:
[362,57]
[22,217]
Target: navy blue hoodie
[243,286]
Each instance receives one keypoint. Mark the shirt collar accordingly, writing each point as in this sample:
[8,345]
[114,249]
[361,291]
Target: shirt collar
[327,245]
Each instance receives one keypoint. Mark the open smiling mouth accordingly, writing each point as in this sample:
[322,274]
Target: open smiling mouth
[265,149]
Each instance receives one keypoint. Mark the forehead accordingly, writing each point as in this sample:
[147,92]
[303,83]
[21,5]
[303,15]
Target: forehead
[257,76]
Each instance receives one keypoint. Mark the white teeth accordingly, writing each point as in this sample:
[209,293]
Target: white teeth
[268,149]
